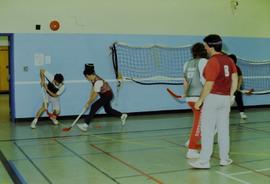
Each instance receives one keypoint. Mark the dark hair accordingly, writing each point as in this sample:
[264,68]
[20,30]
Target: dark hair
[89,69]
[233,57]
[198,51]
[88,72]
[58,78]
[215,41]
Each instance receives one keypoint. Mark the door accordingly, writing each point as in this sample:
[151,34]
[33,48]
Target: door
[4,71]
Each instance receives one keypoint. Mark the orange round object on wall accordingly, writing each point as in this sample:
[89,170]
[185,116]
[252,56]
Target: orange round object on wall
[54,25]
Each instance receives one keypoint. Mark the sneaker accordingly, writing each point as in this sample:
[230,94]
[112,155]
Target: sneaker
[226,162]
[243,115]
[123,119]
[199,164]
[33,124]
[187,144]
[192,153]
[83,126]
[55,121]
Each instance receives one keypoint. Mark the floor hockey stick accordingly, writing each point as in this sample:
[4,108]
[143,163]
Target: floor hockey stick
[173,94]
[45,100]
[247,92]
[74,122]
[254,92]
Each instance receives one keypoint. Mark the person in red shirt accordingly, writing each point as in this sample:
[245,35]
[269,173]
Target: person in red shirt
[221,78]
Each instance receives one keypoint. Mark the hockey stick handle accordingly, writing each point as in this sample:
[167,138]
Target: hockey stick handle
[173,94]
[247,92]
[45,99]
[79,116]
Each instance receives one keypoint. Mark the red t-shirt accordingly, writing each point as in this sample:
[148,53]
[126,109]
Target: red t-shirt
[219,69]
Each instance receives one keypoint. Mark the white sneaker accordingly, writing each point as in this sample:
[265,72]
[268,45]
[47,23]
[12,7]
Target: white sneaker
[226,162]
[199,164]
[33,124]
[83,126]
[243,115]
[123,119]
[187,143]
[192,153]
[55,121]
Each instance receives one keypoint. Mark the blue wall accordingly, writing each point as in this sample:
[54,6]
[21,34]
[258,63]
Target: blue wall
[69,53]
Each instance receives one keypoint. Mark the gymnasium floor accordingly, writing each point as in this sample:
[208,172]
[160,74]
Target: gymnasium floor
[148,150]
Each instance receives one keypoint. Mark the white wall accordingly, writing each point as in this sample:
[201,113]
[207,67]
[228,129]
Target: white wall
[169,17]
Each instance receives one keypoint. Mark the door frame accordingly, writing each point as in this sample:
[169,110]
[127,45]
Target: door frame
[11,75]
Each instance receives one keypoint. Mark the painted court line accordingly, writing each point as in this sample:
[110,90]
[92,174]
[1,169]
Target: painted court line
[17,172]
[11,170]
[33,163]
[247,172]
[86,161]
[85,135]
[229,175]
[255,129]
[136,142]
[127,164]
[251,154]
[232,178]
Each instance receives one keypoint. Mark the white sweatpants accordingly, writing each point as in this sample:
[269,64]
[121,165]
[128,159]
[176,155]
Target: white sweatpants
[215,114]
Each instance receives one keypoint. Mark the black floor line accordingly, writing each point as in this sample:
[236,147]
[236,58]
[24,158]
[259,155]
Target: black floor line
[32,162]
[117,132]
[236,163]
[84,135]
[258,130]
[86,161]
[16,178]
[17,172]
[244,167]
[87,154]
[239,164]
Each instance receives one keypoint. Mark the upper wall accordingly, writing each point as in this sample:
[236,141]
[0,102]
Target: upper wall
[167,17]
[89,27]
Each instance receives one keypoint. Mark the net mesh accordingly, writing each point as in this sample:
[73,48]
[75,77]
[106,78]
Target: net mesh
[158,64]
[153,64]
[255,74]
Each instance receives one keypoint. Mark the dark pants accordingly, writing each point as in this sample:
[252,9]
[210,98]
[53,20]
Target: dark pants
[239,101]
[105,102]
